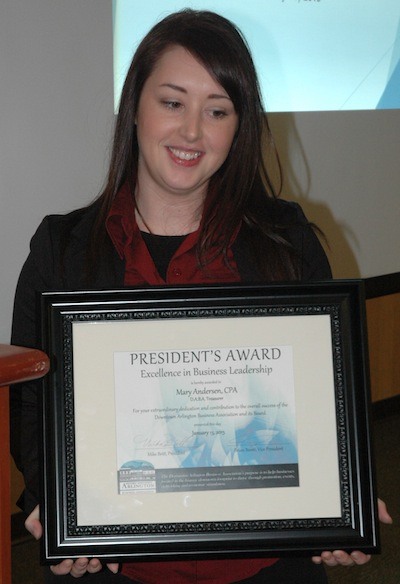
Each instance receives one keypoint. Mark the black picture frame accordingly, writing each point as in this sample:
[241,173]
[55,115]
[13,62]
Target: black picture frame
[333,506]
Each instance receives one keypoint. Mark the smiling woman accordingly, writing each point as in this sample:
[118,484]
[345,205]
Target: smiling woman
[188,200]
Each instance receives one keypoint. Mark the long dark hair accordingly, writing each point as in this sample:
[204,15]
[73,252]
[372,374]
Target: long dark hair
[237,188]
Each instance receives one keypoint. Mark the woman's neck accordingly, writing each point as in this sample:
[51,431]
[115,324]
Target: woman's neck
[168,216]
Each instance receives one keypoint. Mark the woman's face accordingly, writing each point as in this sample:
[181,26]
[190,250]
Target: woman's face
[186,123]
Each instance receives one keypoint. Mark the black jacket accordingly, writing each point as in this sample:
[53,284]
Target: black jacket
[43,271]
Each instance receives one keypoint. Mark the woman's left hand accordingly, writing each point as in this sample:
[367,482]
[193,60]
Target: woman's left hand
[341,558]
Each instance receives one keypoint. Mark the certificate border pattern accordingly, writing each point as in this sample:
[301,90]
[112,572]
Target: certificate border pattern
[74,529]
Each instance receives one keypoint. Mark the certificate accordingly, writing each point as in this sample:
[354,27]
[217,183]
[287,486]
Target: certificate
[206,421]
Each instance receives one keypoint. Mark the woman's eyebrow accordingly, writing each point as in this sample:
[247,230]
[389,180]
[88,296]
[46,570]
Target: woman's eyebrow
[183,90]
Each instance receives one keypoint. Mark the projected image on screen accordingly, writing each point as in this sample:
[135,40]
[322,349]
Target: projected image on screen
[311,55]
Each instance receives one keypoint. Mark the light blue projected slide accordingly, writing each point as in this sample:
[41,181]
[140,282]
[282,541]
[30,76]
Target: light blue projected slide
[311,55]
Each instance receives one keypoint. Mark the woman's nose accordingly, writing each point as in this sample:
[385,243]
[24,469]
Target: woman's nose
[191,127]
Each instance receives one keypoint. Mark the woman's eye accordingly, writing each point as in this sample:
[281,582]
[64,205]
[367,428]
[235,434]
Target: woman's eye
[218,114]
[172,105]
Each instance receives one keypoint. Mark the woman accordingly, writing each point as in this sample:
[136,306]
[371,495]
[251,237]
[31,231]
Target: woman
[188,200]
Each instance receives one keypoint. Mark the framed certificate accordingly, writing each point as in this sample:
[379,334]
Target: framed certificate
[207,422]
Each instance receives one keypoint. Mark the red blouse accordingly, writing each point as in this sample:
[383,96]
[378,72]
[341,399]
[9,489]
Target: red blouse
[139,266]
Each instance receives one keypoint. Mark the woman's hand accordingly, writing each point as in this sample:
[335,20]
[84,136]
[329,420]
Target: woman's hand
[77,567]
[341,558]
[33,525]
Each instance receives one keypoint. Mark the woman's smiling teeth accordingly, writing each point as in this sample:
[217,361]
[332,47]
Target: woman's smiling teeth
[184,155]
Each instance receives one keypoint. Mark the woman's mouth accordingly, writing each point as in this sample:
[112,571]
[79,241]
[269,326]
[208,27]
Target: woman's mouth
[186,157]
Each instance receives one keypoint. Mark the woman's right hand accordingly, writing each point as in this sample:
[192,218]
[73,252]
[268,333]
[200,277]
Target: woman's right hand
[77,567]
[33,525]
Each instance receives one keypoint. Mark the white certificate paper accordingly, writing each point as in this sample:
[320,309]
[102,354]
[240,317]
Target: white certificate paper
[205,419]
